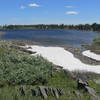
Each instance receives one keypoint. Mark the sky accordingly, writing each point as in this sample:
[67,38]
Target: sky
[49,11]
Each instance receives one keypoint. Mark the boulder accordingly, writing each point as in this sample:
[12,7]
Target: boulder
[81,84]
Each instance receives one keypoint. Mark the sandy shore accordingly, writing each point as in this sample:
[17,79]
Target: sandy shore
[59,56]
[92,55]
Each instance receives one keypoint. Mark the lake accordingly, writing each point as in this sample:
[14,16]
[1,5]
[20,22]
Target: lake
[51,37]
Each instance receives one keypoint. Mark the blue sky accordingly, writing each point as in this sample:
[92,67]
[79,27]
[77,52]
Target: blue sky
[49,11]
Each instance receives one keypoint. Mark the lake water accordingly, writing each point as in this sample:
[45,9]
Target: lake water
[51,37]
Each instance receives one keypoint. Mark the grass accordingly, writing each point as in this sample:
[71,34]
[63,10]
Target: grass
[18,69]
[59,80]
[97,41]
[98,32]
[95,47]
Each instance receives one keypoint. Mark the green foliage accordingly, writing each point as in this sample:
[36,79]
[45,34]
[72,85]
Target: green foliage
[88,27]
[60,80]
[22,69]
[97,41]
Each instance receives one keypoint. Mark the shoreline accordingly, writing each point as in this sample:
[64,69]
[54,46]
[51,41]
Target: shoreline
[61,57]
[91,55]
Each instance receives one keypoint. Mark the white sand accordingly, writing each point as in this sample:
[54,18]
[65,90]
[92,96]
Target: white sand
[61,57]
[92,55]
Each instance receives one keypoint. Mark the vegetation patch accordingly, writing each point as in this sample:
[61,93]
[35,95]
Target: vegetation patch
[1,33]
[19,69]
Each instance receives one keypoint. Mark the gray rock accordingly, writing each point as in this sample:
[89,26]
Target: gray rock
[82,84]
[43,92]
[92,92]
[97,81]
[55,92]
[76,93]
[21,91]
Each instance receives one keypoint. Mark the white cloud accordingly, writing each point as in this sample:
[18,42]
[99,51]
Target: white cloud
[68,6]
[22,7]
[34,5]
[71,13]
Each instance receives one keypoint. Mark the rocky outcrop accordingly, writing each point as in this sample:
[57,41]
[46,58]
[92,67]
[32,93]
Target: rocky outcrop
[92,92]
[45,92]
[84,85]
[42,91]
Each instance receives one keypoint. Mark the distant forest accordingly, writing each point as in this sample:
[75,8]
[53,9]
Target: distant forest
[92,27]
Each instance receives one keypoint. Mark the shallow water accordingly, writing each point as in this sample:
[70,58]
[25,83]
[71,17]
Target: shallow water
[57,37]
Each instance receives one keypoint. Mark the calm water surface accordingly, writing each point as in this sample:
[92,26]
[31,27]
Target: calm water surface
[55,37]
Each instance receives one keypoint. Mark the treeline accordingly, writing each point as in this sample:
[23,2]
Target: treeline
[92,27]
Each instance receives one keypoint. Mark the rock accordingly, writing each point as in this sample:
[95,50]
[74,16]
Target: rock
[43,92]
[60,92]
[1,85]
[92,92]
[55,92]
[97,81]
[21,91]
[76,93]
[51,91]
[35,92]
[82,84]
[29,47]
[57,68]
